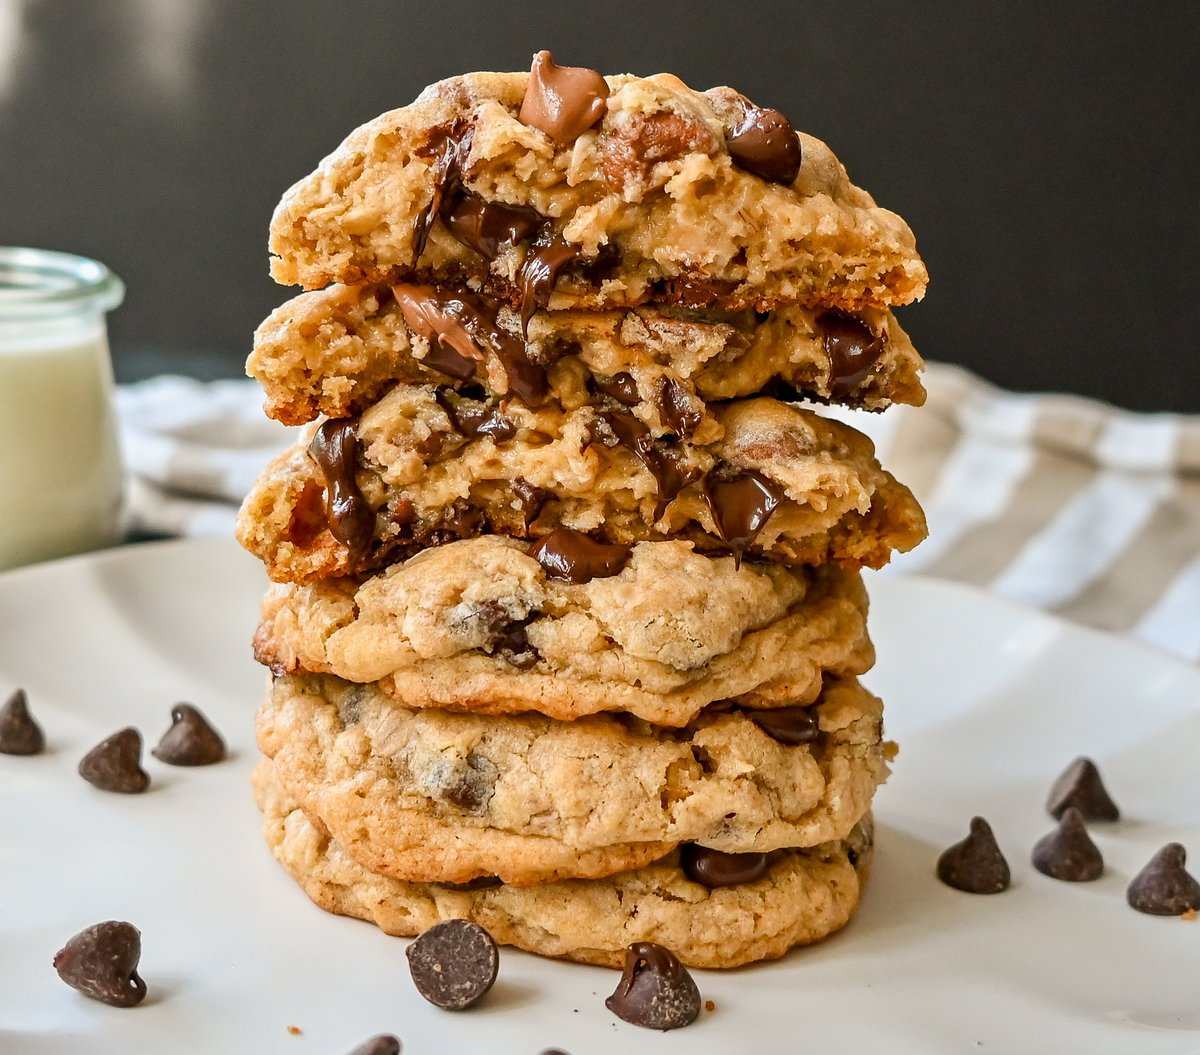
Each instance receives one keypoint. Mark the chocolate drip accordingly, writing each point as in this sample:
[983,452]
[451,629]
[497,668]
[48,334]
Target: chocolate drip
[766,144]
[474,419]
[852,349]
[539,271]
[572,556]
[562,101]
[485,226]
[449,150]
[712,868]
[674,410]
[662,464]
[741,507]
[789,725]
[621,387]
[351,520]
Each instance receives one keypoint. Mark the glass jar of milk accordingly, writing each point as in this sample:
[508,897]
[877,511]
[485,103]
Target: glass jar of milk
[60,468]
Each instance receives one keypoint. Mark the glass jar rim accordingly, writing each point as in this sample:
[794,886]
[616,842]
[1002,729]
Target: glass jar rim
[37,284]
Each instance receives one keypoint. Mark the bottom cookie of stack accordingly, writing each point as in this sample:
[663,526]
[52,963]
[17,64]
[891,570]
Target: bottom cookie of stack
[804,896]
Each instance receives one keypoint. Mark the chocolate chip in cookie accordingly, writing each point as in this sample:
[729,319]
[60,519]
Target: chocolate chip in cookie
[765,143]
[191,740]
[19,733]
[115,764]
[454,963]
[1165,887]
[976,864]
[1079,785]
[791,726]
[712,868]
[102,962]
[1068,852]
[571,556]
[383,1044]
[655,990]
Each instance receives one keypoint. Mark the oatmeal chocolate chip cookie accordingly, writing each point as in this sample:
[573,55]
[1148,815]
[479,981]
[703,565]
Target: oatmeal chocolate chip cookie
[480,625]
[804,896]
[337,350]
[662,200]
[433,794]
[426,465]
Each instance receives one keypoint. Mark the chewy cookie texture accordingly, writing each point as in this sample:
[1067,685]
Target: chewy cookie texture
[567,614]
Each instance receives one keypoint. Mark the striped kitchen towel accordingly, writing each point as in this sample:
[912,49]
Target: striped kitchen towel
[1055,501]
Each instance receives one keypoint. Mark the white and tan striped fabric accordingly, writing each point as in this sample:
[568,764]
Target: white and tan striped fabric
[1054,501]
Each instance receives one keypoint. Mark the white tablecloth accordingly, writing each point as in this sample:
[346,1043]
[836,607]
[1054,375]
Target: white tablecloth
[1056,501]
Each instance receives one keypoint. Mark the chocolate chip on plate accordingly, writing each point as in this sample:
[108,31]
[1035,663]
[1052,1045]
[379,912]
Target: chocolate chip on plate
[102,961]
[19,733]
[453,963]
[976,864]
[1068,853]
[655,989]
[115,764]
[1164,887]
[383,1044]
[1079,785]
[191,740]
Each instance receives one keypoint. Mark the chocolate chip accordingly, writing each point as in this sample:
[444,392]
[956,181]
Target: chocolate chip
[539,272]
[485,226]
[655,990]
[765,143]
[693,291]
[453,963]
[1080,786]
[383,1044]
[1164,887]
[676,408]
[1068,853]
[572,556]
[115,764]
[191,740]
[562,101]
[741,506]
[471,783]
[620,387]
[712,868]
[976,864]
[789,725]
[474,419]
[512,645]
[852,349]
[529,499]
[102,961]
[351,520]
[670,475]
[19,733]
[449,147]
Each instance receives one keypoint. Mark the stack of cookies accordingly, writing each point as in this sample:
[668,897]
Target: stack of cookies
[567,617]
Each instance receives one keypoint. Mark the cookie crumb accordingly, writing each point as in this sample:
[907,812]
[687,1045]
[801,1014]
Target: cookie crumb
[1189,915]
[710,1005]
[295,1031]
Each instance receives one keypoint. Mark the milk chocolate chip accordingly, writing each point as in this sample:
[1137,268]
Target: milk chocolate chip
[572,556]
[765,143]
[454,963]
[562,101]
[1080,786]
[334,448]
[102,962]
[1164,887]
[425,313]
[1068,852]
[655,990]
[712,868]
[852,349]
[191,740]
[383,1044]
[115,764]
[19,733]
[741,506]
[976,864]
[789,725]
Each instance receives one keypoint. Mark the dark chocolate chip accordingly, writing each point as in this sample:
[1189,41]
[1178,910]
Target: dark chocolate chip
[539,271]
[1080,786]
[741,507]
[765,143]
[383,1044]
[529,499]
[474,419]
[191,740]
[453,963]
[1068,853]
[562,101]
[513,646]
[1164,887]
[470,784]
[655,990]
[572,556]
[976,864]
[789,725]
[852,349]
[675,408]
[102,961]
[621,387]
[712,868]
[115,764]
[664,465]
[351,520]
[449,148]
[485,226]
[19,733]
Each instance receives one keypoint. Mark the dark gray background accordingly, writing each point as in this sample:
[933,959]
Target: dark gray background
[1045,154]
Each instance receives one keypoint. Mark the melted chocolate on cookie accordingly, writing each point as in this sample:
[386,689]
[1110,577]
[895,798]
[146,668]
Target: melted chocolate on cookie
[572,556]
[351,520]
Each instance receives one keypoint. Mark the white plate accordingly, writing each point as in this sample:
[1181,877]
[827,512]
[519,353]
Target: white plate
[989,702]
